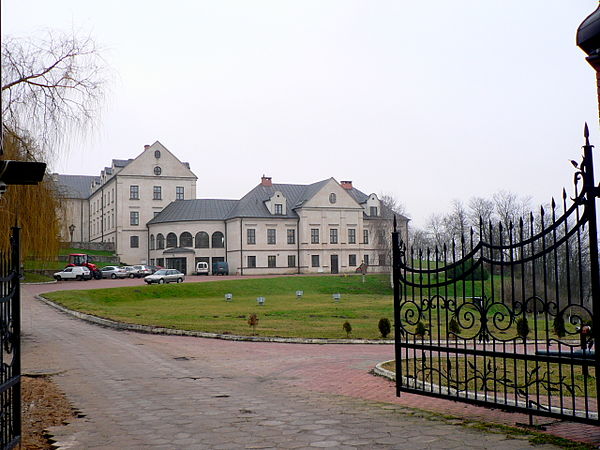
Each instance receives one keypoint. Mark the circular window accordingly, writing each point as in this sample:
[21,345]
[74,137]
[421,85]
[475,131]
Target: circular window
[157,170]
[332,198]
[157,154]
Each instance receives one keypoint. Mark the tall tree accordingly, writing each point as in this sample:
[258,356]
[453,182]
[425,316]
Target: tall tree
[51,91]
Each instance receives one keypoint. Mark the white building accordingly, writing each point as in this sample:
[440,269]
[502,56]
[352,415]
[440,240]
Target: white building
[147,207]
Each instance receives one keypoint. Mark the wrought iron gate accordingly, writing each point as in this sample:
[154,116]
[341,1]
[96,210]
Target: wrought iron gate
[507,315]
[10,357]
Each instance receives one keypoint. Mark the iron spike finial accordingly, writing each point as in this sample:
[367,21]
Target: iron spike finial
[553,204]
[564,194]
[542,212]
[586,134]
[395,224]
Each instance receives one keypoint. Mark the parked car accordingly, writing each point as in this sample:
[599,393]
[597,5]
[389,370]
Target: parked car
[73,273]
[165,276]
[154,268]
[202,268]
[132,272]
[113,272]
[143,270]
[220,268]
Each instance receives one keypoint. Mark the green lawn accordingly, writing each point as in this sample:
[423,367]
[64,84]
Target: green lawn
[32,277]
[68,251]
[202,306]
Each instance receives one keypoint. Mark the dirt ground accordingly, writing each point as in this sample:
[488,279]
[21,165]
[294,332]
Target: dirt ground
[43,406]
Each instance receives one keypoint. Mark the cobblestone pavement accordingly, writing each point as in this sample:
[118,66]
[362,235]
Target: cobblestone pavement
[150,391]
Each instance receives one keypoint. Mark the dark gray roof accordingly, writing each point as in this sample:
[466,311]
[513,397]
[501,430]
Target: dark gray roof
[75,186]
[121,162]
[253,203]
[189,210]
[250,205]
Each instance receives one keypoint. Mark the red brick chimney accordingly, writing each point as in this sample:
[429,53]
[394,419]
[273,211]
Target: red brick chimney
[266,181]
[346,184]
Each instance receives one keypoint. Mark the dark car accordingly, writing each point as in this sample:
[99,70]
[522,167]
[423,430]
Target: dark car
[220,268]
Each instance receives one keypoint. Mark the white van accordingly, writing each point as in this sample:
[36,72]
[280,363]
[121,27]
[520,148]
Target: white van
[202,268]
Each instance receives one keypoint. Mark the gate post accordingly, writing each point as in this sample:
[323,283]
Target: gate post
[15,282]
[591,192]
[397,298]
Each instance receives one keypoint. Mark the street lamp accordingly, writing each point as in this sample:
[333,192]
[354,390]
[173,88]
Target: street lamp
[71,230]
[588,40]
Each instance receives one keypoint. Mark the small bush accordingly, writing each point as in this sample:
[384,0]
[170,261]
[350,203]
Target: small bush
[420,330]
[385,327]
[347,328]
[559,326]
[253,322]
[454,327]
[523,327]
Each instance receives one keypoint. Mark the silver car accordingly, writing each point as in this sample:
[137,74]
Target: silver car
[113,272]
[165,276]
[143,270]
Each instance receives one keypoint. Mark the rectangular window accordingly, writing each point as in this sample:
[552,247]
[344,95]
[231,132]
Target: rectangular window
[352,260]
[157,193]
[179,193]
[160,262]
[272,261]
[314,259]
[134,218]
[351,235]
[366,259]
[251,236]
[271,236]
[134,241]
[278,209]
[314,236]
[251,261]
[291,260]
[333,236]
[373,211]
[291,236]
[365,236]
[382,259]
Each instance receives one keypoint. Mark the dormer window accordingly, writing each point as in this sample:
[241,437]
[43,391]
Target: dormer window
[278,209]
[373,211]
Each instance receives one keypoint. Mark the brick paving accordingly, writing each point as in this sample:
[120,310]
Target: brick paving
[151,391]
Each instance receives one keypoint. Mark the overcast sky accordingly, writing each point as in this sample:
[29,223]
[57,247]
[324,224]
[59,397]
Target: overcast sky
[429,101]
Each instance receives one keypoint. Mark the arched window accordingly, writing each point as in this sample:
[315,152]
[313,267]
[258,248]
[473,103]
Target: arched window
[218,241]
[202,239]
[151,242]
[186,240]
[160,241]
[171,240]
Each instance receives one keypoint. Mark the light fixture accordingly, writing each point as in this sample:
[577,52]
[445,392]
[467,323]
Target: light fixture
[337,297]
[228,297]
[260,301]
[299,294]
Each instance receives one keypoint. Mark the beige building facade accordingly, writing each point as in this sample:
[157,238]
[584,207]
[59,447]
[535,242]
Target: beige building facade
[147,207]
[324,227]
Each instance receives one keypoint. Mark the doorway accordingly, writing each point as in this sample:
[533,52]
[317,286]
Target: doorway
[334,264]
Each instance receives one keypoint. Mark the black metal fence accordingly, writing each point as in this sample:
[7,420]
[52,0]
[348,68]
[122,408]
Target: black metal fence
[507,315]
[10,356]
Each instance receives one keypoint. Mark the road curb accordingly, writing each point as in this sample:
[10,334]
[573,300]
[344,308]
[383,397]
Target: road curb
[227,337]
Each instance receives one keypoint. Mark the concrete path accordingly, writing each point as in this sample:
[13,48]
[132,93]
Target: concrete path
[149,391]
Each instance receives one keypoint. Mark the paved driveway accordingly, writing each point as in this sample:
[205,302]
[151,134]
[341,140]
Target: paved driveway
[149,391]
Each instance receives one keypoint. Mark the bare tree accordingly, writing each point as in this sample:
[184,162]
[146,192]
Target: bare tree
[50,88]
